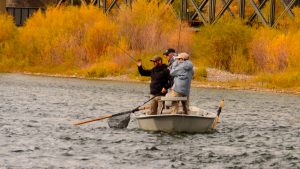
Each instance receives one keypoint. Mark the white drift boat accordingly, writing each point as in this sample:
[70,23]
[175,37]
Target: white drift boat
[197,120]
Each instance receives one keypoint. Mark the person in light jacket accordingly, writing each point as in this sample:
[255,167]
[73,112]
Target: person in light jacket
[183,72]
[170,55]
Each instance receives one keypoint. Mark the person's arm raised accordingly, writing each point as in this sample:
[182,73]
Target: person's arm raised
[142,71]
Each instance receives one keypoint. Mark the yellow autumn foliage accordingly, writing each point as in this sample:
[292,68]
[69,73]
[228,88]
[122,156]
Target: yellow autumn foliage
[269,50]
[70,36]
[150,26]
[7,27]
[103,69]
[8,32]
[79,38]
[86,41]
[224,46]
[294,51]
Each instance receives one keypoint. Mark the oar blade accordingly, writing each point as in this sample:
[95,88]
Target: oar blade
[215,122]
[218,114]
[222,103]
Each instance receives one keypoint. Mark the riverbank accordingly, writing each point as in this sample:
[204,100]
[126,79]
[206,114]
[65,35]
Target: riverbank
[215,79]
[66,47]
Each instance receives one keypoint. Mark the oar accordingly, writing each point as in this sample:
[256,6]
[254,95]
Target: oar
[113,115]
[219,112]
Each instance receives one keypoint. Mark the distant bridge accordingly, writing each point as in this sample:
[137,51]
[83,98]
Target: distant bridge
[196,12]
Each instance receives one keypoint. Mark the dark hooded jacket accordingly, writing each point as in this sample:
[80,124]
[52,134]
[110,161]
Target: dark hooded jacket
[160,76]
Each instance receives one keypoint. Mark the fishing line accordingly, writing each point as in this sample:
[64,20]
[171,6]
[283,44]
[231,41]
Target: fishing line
[178,43]
[132,58]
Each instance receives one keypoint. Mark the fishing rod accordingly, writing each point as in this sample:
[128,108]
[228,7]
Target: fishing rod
[179,34]
[132,58]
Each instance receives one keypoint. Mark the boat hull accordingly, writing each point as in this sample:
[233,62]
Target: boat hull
[176,123]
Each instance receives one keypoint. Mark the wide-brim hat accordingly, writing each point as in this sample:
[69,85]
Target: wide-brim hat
[184,56]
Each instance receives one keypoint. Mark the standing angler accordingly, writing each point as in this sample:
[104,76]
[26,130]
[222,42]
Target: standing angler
[182,71]
[170,55]
[159,85]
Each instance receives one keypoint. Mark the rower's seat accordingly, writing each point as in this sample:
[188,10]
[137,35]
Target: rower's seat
[166,102]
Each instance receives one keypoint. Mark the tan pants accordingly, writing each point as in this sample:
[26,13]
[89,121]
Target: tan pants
[175,104]
[154,105]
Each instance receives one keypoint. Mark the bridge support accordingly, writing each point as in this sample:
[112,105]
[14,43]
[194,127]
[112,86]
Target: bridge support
[210,11]
[202,11]
[242,9]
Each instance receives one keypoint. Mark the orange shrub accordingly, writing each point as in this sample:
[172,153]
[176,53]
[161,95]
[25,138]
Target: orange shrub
[103,69]
[63,36]
[8,32]
[150,26]
[294,51]
[277,54]
[269,50]
[224,46]
[98,37]
[7,28]
[287,79]
[78,37]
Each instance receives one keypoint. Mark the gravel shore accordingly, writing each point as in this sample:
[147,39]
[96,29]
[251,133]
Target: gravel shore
[216,75]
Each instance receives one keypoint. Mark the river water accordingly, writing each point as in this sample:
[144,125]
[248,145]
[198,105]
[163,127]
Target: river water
[257,129]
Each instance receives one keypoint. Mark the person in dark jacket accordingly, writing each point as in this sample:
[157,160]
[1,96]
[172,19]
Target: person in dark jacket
[159,85]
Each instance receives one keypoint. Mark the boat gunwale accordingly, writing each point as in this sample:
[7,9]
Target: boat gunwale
[173,115]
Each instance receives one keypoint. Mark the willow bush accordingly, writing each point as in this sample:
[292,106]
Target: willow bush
[63,37]
[83,39]
[225,46]
[293,43]
[277,53]
[8,32]
[150,26]
[269,50]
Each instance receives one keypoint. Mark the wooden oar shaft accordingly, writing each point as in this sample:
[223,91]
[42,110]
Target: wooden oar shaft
[118,114]
[96,119]
[103,117]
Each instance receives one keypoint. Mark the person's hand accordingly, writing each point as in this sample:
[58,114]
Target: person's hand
[163,90]
[180,60]
[139,62]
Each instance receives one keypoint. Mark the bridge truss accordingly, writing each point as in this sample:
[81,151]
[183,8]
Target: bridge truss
[267,12]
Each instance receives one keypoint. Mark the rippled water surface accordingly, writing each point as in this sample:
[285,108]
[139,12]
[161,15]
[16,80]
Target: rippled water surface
[257,130]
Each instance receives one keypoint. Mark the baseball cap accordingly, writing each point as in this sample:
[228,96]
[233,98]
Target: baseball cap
[168,51]
[155,58]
